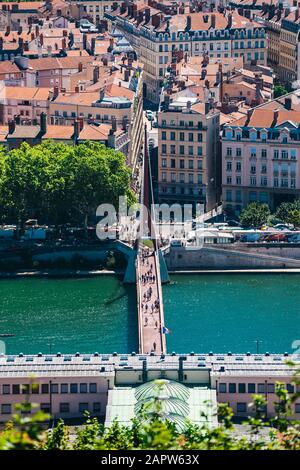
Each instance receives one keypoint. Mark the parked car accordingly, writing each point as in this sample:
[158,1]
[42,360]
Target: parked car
[149,115]
[277,237]
[283,227]
[294,238]
[250,237]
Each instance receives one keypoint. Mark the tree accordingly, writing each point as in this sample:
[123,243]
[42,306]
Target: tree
[289,212]
[279,90]
[255,215]
[58,183]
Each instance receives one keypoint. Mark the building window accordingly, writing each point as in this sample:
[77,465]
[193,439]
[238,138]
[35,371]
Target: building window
[232,388]
[45,407]
[199,151]
[25,389]
[163,135]
[83,407]
[6,389]
[297,408]
[54,388]
[229,166]
[238,152]
[6,409]
[241,407]
[228,195]
[164,149]
[222,387]
[97,407]
[64,407]
[35,389]
[253,180]
[73,388]
[181,149]
[83,388]
[290,388]
[242,388]
[64,388]
[93,388]
[16,389]
[229,152]
[271,388]
[45,388]
[261,388]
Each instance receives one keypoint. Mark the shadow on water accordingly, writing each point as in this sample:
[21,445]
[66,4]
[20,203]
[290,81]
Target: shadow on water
[132,319]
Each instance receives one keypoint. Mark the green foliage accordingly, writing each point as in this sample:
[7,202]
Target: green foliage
[255,215]
[279,90]
[59,183]
[289,212]
[156,433]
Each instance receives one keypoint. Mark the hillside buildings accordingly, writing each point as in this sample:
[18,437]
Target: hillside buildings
[261,155]
[215,34]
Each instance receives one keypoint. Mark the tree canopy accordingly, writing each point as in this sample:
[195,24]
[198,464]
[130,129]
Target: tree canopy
[289,212]
[255,215]
[58,183]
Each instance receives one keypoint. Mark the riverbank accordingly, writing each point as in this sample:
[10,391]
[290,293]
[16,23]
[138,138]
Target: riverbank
[237,271]
[60,273]
[74,273]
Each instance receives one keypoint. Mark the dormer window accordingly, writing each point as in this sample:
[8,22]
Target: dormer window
[263,136]
[229,134]
[253,134]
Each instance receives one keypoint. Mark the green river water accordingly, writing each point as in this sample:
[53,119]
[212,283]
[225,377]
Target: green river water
[205,313]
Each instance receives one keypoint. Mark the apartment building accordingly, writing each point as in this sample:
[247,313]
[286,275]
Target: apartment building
[218,35]
[94,10]
[67,385]
[188,135]
[26,102]
[261,155]
[289,59]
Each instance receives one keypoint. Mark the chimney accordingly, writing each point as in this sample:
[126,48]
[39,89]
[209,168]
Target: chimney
[155,20]
[123,8]
[37,30]
[113,124]
[43,123]
[207,107]
[93,45]
[188,23]
[80,67]
[41,38]
[126,75]
[229,21]
[288,103]
[77,89]
[11,126]
[213,21]
[76,130]
[26,46]
[84,40]
[102,94]
[147,15]
[21,44]
[65,33]
[124,123]
[96,74]
[7,32]
[81,124]
[20,30]
[55,92]
[32,36]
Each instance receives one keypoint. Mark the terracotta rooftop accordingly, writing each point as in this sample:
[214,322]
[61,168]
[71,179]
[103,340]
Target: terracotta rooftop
[26,93]
[59,132]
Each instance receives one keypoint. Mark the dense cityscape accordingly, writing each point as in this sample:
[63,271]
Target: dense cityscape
[149,225]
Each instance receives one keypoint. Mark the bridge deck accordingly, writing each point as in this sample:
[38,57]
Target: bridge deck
[150,303]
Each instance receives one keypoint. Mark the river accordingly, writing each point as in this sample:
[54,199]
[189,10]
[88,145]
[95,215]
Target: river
[215,312]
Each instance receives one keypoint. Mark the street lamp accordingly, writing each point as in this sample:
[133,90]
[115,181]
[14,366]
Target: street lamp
[258,341]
